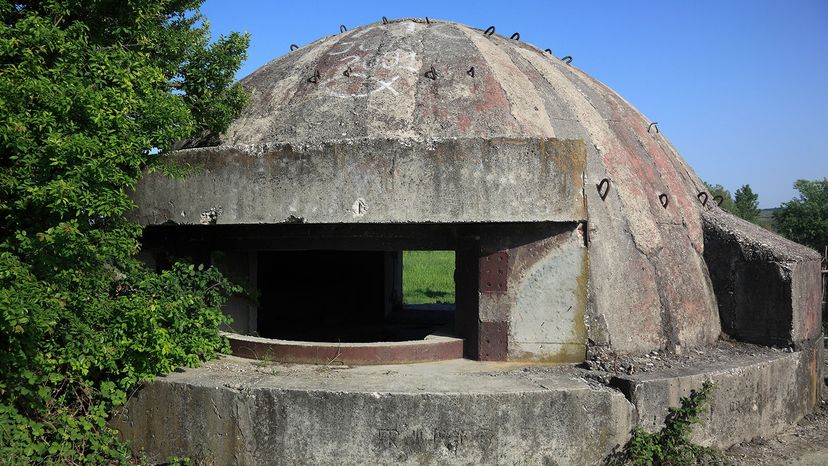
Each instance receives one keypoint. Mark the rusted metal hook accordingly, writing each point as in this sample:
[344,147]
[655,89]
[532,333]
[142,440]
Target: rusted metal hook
[431,74]
[603,188]
[293,47]
[384,20]
[665,201]
[567,59]
[515,36]
[489,31]
[427,20]
[342,28]
[470,72]
[719,200]
[549,51]
[655,123]
[315,78]
[347,72]
[703,198]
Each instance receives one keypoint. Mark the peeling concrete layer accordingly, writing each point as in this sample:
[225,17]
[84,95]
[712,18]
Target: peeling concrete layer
[768,288]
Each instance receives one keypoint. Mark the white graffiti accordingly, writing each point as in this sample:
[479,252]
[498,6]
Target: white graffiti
[376,76]
[387,85]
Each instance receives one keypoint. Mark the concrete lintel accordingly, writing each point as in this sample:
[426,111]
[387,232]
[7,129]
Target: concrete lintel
[371,181]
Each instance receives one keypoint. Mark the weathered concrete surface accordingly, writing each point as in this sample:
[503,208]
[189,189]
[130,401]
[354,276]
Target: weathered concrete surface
[237,411]
[376,181]
[755,395]
[768,288]
[234,411]
[347,146]
[539,316]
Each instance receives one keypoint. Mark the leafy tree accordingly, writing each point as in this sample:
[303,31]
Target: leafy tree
[719,190]
[805,220]
[746,204]
[91,94]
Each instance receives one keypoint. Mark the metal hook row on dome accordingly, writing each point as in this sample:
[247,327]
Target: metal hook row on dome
[516,36]
[491,30]
[430,74]
[603,188]
[703,199]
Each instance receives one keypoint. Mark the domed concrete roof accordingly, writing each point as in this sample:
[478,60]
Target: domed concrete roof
[347,105]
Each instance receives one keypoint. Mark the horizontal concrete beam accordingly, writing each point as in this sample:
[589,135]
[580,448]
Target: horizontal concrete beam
[371,181]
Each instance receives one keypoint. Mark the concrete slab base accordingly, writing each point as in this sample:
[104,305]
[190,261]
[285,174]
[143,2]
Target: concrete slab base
[237,411]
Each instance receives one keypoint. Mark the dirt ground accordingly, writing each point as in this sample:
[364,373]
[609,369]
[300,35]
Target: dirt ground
[804,444]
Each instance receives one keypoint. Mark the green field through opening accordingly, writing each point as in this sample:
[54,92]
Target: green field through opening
[428,277]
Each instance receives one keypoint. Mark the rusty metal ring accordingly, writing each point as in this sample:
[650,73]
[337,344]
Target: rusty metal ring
[489,31]
[665,201]
[655,123]
[701,195]
[470,72]
[342,28]
[293,47]
[567,59]
[604,186]
[347,72]
[515,36]
[719,200]
[431,74]
[549,51]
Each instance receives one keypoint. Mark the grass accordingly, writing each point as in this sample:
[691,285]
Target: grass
[428,277]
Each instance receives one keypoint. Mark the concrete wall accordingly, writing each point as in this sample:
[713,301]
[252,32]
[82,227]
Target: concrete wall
[235,412]
[372,181]
[240,267]
[753,395]
[768,288]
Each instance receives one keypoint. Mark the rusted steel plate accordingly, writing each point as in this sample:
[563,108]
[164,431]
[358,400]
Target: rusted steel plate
[494,341]
[494,270]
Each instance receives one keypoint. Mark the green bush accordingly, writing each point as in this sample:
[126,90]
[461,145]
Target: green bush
[92,93]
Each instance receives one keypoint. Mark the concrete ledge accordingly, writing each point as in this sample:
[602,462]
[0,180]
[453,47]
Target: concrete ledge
[235,411]
[432,348]
[754,395]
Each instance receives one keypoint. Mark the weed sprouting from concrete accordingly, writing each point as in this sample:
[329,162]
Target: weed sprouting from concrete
[671,445]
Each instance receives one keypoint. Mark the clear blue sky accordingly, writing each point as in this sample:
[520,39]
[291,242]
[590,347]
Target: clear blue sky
[739,87]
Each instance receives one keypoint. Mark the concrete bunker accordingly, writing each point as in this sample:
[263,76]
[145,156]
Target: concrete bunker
[580,235]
